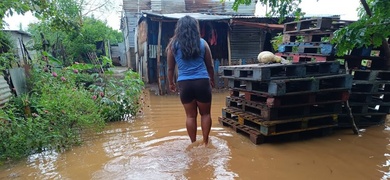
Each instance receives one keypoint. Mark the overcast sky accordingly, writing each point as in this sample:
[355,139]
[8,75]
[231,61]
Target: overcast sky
[345,8]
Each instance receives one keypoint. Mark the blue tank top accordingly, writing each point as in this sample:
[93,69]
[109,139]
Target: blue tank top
[191,68]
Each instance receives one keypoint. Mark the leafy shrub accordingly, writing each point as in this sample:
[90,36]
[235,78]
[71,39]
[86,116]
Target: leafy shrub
[58,110]
[52,116]
[7,51]
[119,98]
[58,98]
[13,135]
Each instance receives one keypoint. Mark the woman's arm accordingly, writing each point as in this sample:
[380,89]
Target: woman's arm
[171,70]
[208,59]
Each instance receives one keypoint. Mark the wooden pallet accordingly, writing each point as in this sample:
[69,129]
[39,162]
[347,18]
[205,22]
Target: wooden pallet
[321,24]
[255,136]
[307,37]
[300,58]
[294,86]
[311,48]
[368,98]
[338,24]
[282,113]
[371,75]
[355,62]
[314,24]
[271,128]
[292,100]
[344,120]
[257,72]
[368,108]
[381,97]
[370,87]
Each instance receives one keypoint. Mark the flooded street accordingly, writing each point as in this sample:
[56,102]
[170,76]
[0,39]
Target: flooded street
[156,146]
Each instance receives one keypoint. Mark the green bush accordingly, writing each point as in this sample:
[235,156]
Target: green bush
[52,116]
[119,98]
[13,136]
[59,99]
[57,111]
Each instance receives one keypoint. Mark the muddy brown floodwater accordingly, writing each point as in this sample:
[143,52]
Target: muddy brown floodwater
[155,146]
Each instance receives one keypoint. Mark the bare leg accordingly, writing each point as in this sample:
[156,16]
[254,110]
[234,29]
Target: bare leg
[206,122]
[191,114]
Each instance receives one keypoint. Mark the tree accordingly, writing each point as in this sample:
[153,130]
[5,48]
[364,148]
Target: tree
[281,8]
[93,30]
[48,10]
[63,13]
[61,25]
[372,28]
[89,7]
[73,46]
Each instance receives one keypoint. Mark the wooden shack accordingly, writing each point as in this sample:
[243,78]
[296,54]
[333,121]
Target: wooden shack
[154,32]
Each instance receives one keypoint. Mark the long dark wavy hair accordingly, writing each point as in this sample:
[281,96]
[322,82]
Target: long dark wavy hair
[187,37]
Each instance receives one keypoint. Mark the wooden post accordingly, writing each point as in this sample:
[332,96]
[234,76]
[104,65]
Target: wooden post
[229,50]
[159,58]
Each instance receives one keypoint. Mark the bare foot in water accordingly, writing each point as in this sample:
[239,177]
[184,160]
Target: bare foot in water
[209,144]
[195,144]
[200,143]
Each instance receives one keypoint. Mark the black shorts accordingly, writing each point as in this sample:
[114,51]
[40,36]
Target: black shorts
[196,89]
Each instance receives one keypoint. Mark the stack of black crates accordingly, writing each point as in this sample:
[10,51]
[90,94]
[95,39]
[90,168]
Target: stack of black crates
[276,99]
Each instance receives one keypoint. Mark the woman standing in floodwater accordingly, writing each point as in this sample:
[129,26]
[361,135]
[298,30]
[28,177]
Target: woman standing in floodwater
[195,79]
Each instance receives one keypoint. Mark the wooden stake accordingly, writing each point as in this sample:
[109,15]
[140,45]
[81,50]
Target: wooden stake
[229,49]
[354,127]
[159,58]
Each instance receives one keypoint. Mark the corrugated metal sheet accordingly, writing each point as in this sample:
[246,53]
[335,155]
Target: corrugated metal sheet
[170,6]
[18,77]
[5,91]
[216,6]
[115,52]
[198,16]
[132,20]
[204,6]
[156,5]
[242,9]
[135,5]
[245,42]
[18,37]
[122,54]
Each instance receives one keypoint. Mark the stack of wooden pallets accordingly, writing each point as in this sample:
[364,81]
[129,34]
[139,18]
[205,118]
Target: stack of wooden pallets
[309,39]
[275,99]
[370,98]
